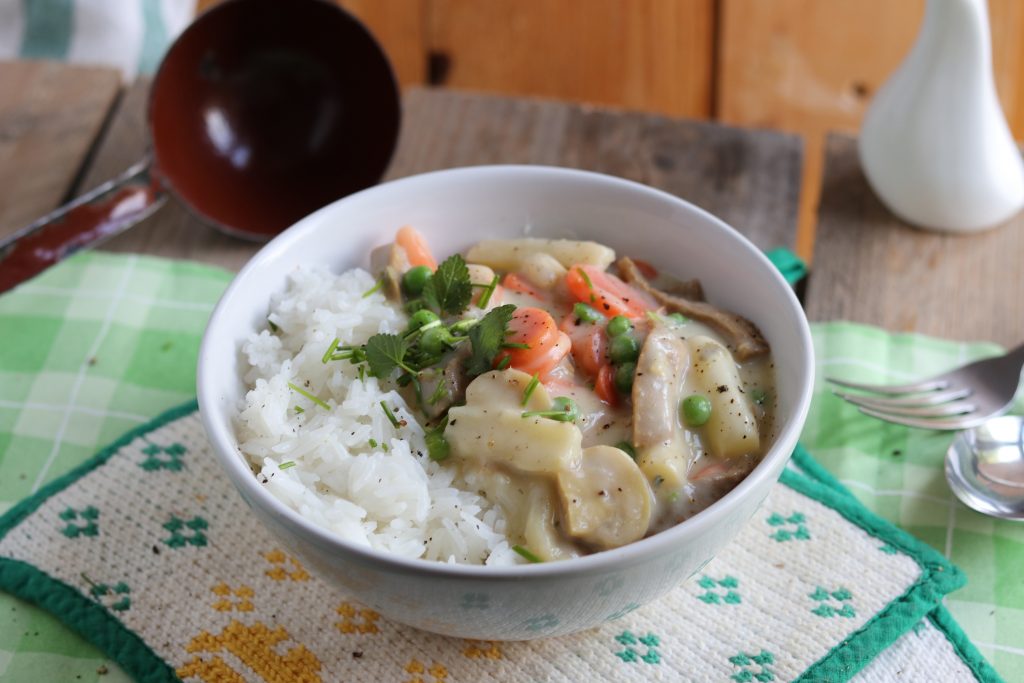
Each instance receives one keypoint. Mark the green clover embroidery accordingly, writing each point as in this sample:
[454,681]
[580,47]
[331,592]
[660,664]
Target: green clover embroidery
[631,654]
[832,603]
[541,623]
[175,452]
[185,533]
[788,528]
[713,596]
[753,667]
[115,597]
[80,522]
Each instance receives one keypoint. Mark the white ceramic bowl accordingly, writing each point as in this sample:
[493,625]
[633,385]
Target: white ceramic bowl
[454,209]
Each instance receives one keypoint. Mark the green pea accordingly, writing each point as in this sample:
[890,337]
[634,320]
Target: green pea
[586,313]
[564,409]
[420,318]
[624,349]
[696,410]
[413,305]
[624,378]
[434,340]
[415,279]
[627,447]
[619,325]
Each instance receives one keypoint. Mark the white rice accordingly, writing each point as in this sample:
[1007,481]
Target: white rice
[391,496]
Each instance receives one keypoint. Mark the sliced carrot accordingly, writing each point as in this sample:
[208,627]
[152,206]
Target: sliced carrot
[543,345]
[416,247]
[605,292]
[604,385]
[515,283]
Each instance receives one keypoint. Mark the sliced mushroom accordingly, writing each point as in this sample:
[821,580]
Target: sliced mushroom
[731,430]
[508,254]
[391,261]
[452,376]
[744,337]
[491,426]
[606,501]
[662,451]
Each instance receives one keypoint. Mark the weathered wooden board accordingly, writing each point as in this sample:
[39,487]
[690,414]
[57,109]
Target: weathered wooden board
[49,117]
[749,178]
[871,267]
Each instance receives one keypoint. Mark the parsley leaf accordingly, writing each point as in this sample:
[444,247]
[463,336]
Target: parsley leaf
[487,338]
[449,289]
[437,445]
[384,353]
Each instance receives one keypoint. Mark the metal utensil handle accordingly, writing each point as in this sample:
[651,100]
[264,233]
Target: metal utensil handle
[99,214]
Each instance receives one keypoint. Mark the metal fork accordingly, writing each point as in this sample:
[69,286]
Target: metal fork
[959,399]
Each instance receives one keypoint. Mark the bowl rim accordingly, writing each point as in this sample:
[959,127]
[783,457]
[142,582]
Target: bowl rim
[232,460]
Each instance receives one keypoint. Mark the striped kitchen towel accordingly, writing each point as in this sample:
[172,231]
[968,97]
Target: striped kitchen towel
[130,35]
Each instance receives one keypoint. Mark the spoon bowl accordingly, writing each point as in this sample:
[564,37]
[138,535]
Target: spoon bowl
[985,467]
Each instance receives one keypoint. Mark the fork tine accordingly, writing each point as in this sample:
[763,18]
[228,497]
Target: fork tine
[946,424]
[931,399]
[943,410]
[894,389]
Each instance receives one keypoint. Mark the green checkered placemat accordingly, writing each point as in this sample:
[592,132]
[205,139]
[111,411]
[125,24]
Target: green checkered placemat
[102,343]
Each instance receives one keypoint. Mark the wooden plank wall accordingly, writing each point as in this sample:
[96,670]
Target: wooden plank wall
[805,66]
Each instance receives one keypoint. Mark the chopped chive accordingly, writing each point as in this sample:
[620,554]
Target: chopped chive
[528,392]
[273,328]
[759,396]
[320,402]
[437,446]
[438,393]
[286,465]
[526,554]
[505,362]
[299,410]
[515,345]
[375,288]
[586,278]
[373,443]
[384,447]
[563,409]
[391,416]
[362,373]
[486,296]
[330,351]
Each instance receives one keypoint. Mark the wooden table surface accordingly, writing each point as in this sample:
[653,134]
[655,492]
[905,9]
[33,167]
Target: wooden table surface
[65,129]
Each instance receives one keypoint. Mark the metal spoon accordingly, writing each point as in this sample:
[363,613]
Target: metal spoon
[985,467]
[262,111]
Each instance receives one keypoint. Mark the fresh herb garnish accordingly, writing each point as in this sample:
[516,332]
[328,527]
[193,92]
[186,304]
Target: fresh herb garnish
[528,392]
[586,278]
[286,465]
[526,553]
[438,392]
[627,447]
[375,288]
[437,445]
[485,297]
[504,363]
[311,397]
[563,409]
[449,290]
[487,338]
[373,443]
[273,328]
[384,353]
[299,410]
[515,345]
[390,415]
[330,351]
[759,396]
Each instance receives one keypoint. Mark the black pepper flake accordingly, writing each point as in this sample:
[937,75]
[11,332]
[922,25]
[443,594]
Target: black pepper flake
[357,655]
[452,423]
[156,550]
[722,388]
[606,306]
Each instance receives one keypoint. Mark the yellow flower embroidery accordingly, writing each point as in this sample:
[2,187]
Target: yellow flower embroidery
[225,604]
[437,672]
[357,620]
[475,649]
[257,648]
[279,572]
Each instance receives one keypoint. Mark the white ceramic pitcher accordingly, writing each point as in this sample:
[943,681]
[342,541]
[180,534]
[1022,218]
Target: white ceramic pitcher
[935,145]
